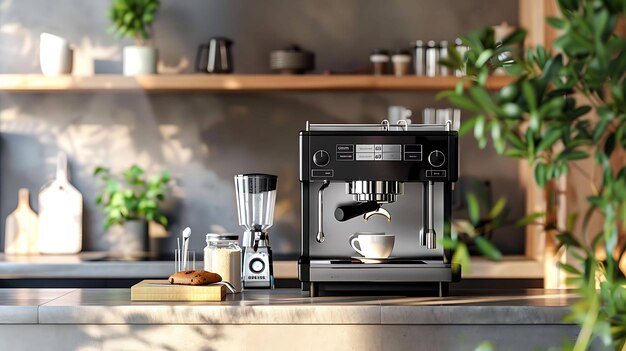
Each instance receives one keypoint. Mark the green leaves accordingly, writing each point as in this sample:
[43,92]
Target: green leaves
[479,130]
[461,256]
[530,218]
[548,140]
[556,22]
[509,93]
[609,144]
[138,198]
[511,110]
[481,96]
[572,155]
[133,18]
[517,37]
[540,174]
[497,208]
[547,117]
[531,100]
[464,102]
[100,171]
[483,58]
[485,346]
[566,238]
[568,268]
[473,208]
[487,248]
[133,175]
[465,232]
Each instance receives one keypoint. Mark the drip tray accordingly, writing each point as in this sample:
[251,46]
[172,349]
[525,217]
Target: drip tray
[376,261]
[395,270]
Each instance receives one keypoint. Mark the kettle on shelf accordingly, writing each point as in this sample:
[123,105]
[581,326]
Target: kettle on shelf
[215,56]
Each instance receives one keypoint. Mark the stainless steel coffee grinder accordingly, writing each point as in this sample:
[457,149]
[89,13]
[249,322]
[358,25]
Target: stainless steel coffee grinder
[256,196]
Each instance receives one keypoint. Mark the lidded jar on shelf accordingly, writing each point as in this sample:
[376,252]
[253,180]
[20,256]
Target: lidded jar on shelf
[222,255]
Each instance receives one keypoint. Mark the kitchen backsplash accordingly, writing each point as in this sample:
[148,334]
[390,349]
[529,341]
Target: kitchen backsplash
[207,138]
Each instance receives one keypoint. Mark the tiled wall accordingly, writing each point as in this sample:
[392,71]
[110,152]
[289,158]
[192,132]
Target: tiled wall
[206,138]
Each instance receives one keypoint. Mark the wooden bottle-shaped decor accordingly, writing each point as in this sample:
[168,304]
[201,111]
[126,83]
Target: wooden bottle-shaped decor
[20,235]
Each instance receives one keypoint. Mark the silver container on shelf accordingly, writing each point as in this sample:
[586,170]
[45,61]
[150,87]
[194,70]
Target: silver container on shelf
[432,59]
[429,116]
[443,54]
[420,58]
[461,49]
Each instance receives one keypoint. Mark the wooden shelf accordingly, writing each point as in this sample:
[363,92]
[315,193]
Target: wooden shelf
[218,83]
[511,267]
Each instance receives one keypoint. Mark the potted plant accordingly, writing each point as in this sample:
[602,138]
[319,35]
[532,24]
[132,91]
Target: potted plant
[134,19]
[130,202]
[563,107]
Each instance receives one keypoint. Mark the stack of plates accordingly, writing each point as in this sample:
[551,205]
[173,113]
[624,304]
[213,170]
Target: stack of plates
[292,60]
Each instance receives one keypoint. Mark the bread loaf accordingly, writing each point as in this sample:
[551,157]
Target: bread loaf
[191,277]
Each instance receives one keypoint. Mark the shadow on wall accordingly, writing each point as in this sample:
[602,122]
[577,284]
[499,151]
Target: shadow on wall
[204,139]
[52,123]
[257,133]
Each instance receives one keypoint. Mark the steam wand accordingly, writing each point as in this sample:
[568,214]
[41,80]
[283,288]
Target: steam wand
[428,236]
[320,212]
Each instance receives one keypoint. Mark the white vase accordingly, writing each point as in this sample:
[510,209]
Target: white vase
[139,60]
[56,57]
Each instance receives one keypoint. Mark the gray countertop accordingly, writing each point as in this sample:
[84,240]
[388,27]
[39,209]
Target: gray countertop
[99,265]
[282,306]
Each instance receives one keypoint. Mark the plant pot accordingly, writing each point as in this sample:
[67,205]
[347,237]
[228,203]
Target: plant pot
[129,238]
[139,60]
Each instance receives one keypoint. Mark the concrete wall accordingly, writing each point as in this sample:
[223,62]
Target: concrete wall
[206,138]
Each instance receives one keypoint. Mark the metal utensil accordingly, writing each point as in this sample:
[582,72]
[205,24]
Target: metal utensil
[186,235]
[215,56]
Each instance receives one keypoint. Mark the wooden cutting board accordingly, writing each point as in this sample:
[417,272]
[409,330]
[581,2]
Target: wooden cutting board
[162,290]
[20,234]
[60,214]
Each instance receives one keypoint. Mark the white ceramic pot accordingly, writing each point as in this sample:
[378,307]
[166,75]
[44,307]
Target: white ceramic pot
[139,60]
[55,55]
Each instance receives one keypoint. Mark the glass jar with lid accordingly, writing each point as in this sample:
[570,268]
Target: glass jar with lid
[222,255]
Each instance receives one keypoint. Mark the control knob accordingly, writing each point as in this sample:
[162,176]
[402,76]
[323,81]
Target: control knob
[436,158]
[257,265]
[321,158]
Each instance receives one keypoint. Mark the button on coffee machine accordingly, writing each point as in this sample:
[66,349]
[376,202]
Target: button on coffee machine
[384,179]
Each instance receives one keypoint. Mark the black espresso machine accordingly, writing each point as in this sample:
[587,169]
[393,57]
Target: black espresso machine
[377,178]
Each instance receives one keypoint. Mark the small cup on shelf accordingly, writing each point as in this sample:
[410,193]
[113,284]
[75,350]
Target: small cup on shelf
[380,62]
[401,63]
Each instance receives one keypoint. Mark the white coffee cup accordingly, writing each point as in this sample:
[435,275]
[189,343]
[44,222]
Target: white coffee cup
[373,245]
[56,57]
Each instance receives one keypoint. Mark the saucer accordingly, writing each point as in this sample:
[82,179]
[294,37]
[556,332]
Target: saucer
[373,259]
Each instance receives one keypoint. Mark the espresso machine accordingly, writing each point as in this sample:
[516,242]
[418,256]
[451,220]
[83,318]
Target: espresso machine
[394,179]
[256,196]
